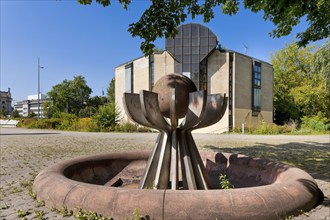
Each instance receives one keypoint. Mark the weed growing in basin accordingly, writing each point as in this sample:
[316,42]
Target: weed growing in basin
[224,182]
[5,206]
[22,214]
[63,211]
[151,186]
[137,216]
[16,189]
[32,193]
[39,204]
[25,183]
[291,217]
[39,215]
[89,215]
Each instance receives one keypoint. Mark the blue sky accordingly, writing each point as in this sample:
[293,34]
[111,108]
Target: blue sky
[72,39]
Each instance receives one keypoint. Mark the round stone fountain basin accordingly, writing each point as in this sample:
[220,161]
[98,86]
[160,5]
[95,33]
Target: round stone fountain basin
[107,184]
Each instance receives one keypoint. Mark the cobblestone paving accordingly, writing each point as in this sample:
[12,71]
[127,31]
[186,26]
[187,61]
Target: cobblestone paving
[24,153]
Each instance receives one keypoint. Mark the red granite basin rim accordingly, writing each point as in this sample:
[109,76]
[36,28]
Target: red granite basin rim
[280,190]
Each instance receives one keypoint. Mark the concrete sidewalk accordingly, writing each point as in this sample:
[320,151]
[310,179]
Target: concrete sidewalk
[24,153]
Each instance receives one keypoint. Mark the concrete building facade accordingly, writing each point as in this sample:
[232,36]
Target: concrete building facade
[194,52]
[5,102]
[30,106]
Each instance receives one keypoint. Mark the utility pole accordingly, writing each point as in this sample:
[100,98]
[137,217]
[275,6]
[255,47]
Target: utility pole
[39,67]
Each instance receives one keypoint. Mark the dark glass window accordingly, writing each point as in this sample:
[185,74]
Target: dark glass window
[203,51]
[256,85]
[195,68]
[186,31]
[195,58]
[194,50]
[178,41]
[186,59]
[129,78]
[152,74]
[186,42]
[189,47]
[204,41]
[177,67]
[203,75]
[194,30]
[187,50]
[212,41]
[178,51]
[186,67]
[169,42]
[194,42]
[203,31]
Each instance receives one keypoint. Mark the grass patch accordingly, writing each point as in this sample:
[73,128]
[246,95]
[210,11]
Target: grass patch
[311,157]
[308,126]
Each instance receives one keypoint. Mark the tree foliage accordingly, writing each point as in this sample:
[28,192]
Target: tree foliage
[163,16]
[301,82]
[15,114]
[68,96]
[107,116]
[111,91]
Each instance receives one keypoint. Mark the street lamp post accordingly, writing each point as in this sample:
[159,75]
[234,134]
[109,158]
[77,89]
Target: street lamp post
[39,67]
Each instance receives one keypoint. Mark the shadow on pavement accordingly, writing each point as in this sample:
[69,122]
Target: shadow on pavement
[312,157]
[28,133]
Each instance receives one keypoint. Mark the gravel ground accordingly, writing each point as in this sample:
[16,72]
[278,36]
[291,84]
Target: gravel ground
[25,152]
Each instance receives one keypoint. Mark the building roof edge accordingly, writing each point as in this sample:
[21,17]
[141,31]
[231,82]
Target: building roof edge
[233,51]
[131,61]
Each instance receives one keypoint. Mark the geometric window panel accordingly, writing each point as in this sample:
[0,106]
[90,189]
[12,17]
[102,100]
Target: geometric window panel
[129,78]
[256,86]
[189,47]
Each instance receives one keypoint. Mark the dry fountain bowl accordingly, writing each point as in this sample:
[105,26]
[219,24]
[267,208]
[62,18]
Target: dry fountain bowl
[107,184]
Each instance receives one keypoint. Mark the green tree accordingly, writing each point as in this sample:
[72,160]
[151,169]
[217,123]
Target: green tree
[32,115]
[321,65]
[163,16]
[68,96]
[15,114]
[107,116]
[97,101]
[92,105]
[3,112]
[300,87]
[111,91]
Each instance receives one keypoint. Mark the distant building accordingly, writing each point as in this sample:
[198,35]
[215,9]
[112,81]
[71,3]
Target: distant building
[30,106]
[5,102]
[194,52]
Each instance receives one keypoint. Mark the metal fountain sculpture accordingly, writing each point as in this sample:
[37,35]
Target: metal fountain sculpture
[175,108]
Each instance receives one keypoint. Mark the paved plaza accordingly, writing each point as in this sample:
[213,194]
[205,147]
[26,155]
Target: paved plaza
[25,152]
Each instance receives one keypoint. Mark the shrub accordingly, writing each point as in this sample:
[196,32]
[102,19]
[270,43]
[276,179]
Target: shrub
[107,116]
[315,123]
[52,123]
[32,115]
[85,124]
[25,122]
[67,121]
[15,114]
[129,127]
[270,128]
